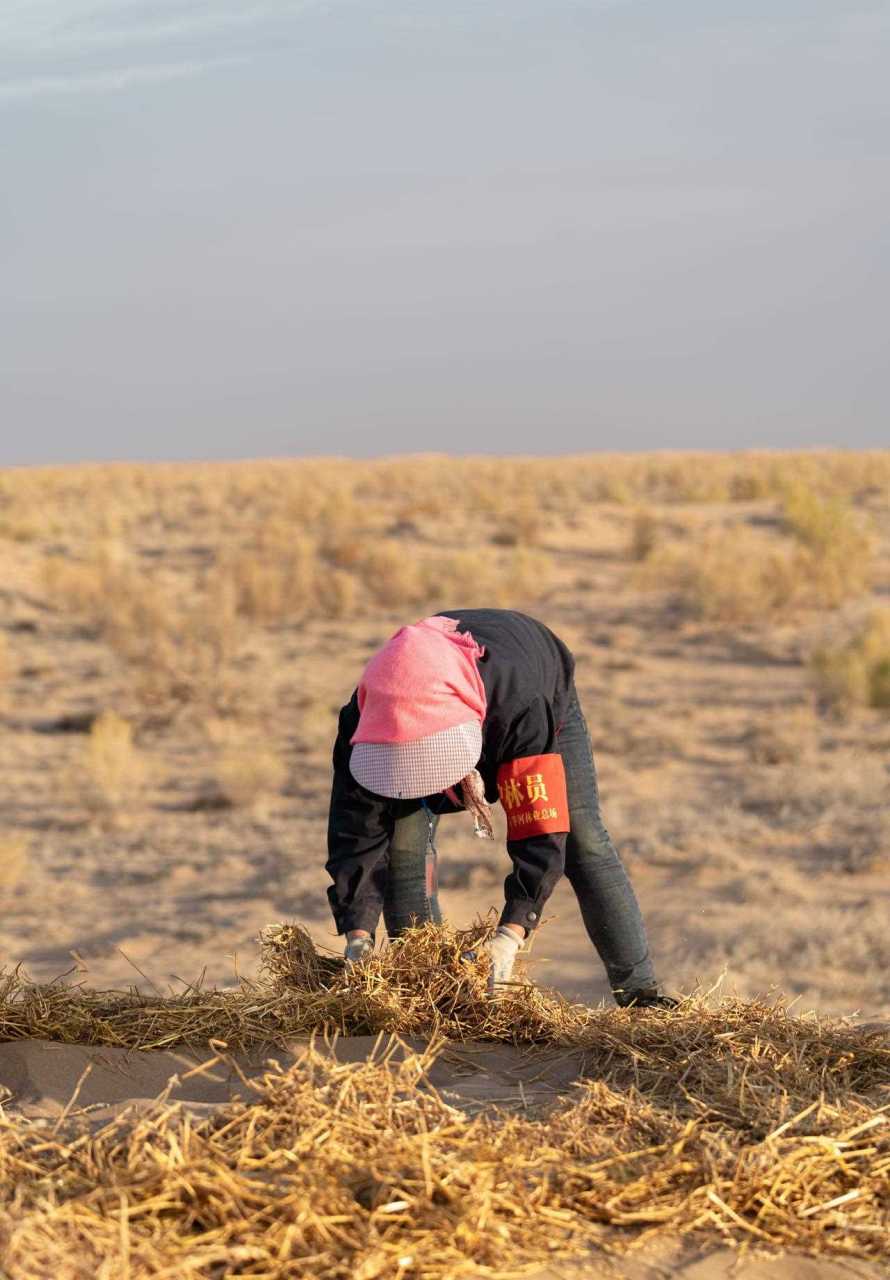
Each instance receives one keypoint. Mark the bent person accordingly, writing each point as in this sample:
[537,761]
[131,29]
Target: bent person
[454,712]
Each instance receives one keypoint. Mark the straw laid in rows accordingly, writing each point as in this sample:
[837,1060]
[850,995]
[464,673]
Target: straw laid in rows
[741,1123]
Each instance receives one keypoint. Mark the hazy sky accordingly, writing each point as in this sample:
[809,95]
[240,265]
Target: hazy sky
[368,226]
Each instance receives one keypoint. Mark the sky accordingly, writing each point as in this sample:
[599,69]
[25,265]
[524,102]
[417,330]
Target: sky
[368,227]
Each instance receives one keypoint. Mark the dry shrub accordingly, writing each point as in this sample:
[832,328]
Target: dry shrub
[453,579]
[330,498]
[182,655]
[179,649]
[725,577]
[834,560]
[345,551]
[110,775]
[24,527]
[822,524]
[732,1124]
[644,534]
[337,594]
[522,525]
[81,586]
[275,583]
[251,777]
[476,579]
[107,592]
[741,575]
[392,576]
[828,580]
[857,672]
[247,774]
[295,540]
[13,858]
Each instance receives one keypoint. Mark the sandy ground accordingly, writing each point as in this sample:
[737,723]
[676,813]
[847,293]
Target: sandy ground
[756,831]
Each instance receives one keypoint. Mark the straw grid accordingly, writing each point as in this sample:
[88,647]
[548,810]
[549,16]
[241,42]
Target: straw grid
[741,1123]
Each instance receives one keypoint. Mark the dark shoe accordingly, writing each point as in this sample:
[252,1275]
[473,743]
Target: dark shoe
[644,1000]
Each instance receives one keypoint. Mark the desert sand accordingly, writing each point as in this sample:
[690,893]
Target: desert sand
[753,817]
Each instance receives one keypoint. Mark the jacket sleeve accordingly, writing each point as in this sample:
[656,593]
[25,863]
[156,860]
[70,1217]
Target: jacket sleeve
[359,833]
[538,860]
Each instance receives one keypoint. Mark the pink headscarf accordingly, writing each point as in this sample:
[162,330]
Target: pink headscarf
[423,680]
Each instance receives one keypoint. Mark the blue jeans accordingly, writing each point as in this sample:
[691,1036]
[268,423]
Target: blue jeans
[608,904]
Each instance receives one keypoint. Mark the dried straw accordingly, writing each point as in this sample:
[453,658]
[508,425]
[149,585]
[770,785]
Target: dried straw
[742,1123]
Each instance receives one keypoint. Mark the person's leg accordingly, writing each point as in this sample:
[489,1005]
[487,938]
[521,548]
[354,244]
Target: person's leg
[411,894]
[605,895]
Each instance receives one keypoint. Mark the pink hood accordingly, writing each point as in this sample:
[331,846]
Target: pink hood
[423,680]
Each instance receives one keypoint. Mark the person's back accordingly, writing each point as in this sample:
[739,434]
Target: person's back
[453,712]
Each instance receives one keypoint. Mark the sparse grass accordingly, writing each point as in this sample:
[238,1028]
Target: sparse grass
[178,648]
[279,530]
[857,672]
[200,589]
[110,774]
[333,496]
[783,738]
[739,574]
[179,640]
[839,806]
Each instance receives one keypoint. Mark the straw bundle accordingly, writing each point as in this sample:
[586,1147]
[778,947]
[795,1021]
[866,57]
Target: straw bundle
[741,1122]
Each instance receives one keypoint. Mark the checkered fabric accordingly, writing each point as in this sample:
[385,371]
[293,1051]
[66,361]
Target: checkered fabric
[410,770]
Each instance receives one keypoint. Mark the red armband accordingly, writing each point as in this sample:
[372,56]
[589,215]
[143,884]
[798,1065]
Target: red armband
[533,793]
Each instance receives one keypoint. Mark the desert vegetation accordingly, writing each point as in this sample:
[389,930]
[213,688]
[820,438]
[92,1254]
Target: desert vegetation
[271,544]
[109,774]
[856,672]
[175,643]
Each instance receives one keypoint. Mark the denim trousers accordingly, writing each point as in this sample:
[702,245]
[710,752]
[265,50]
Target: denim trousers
[608,904]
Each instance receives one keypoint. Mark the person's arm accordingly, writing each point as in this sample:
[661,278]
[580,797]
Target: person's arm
[531,784]
[359,832]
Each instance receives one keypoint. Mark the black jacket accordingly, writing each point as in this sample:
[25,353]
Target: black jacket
[528,676]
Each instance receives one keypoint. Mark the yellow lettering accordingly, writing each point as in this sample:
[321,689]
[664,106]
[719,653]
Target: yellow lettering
[510,794]
[536,787]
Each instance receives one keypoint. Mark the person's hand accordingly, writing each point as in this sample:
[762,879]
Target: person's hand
[359,945]
[502,949]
